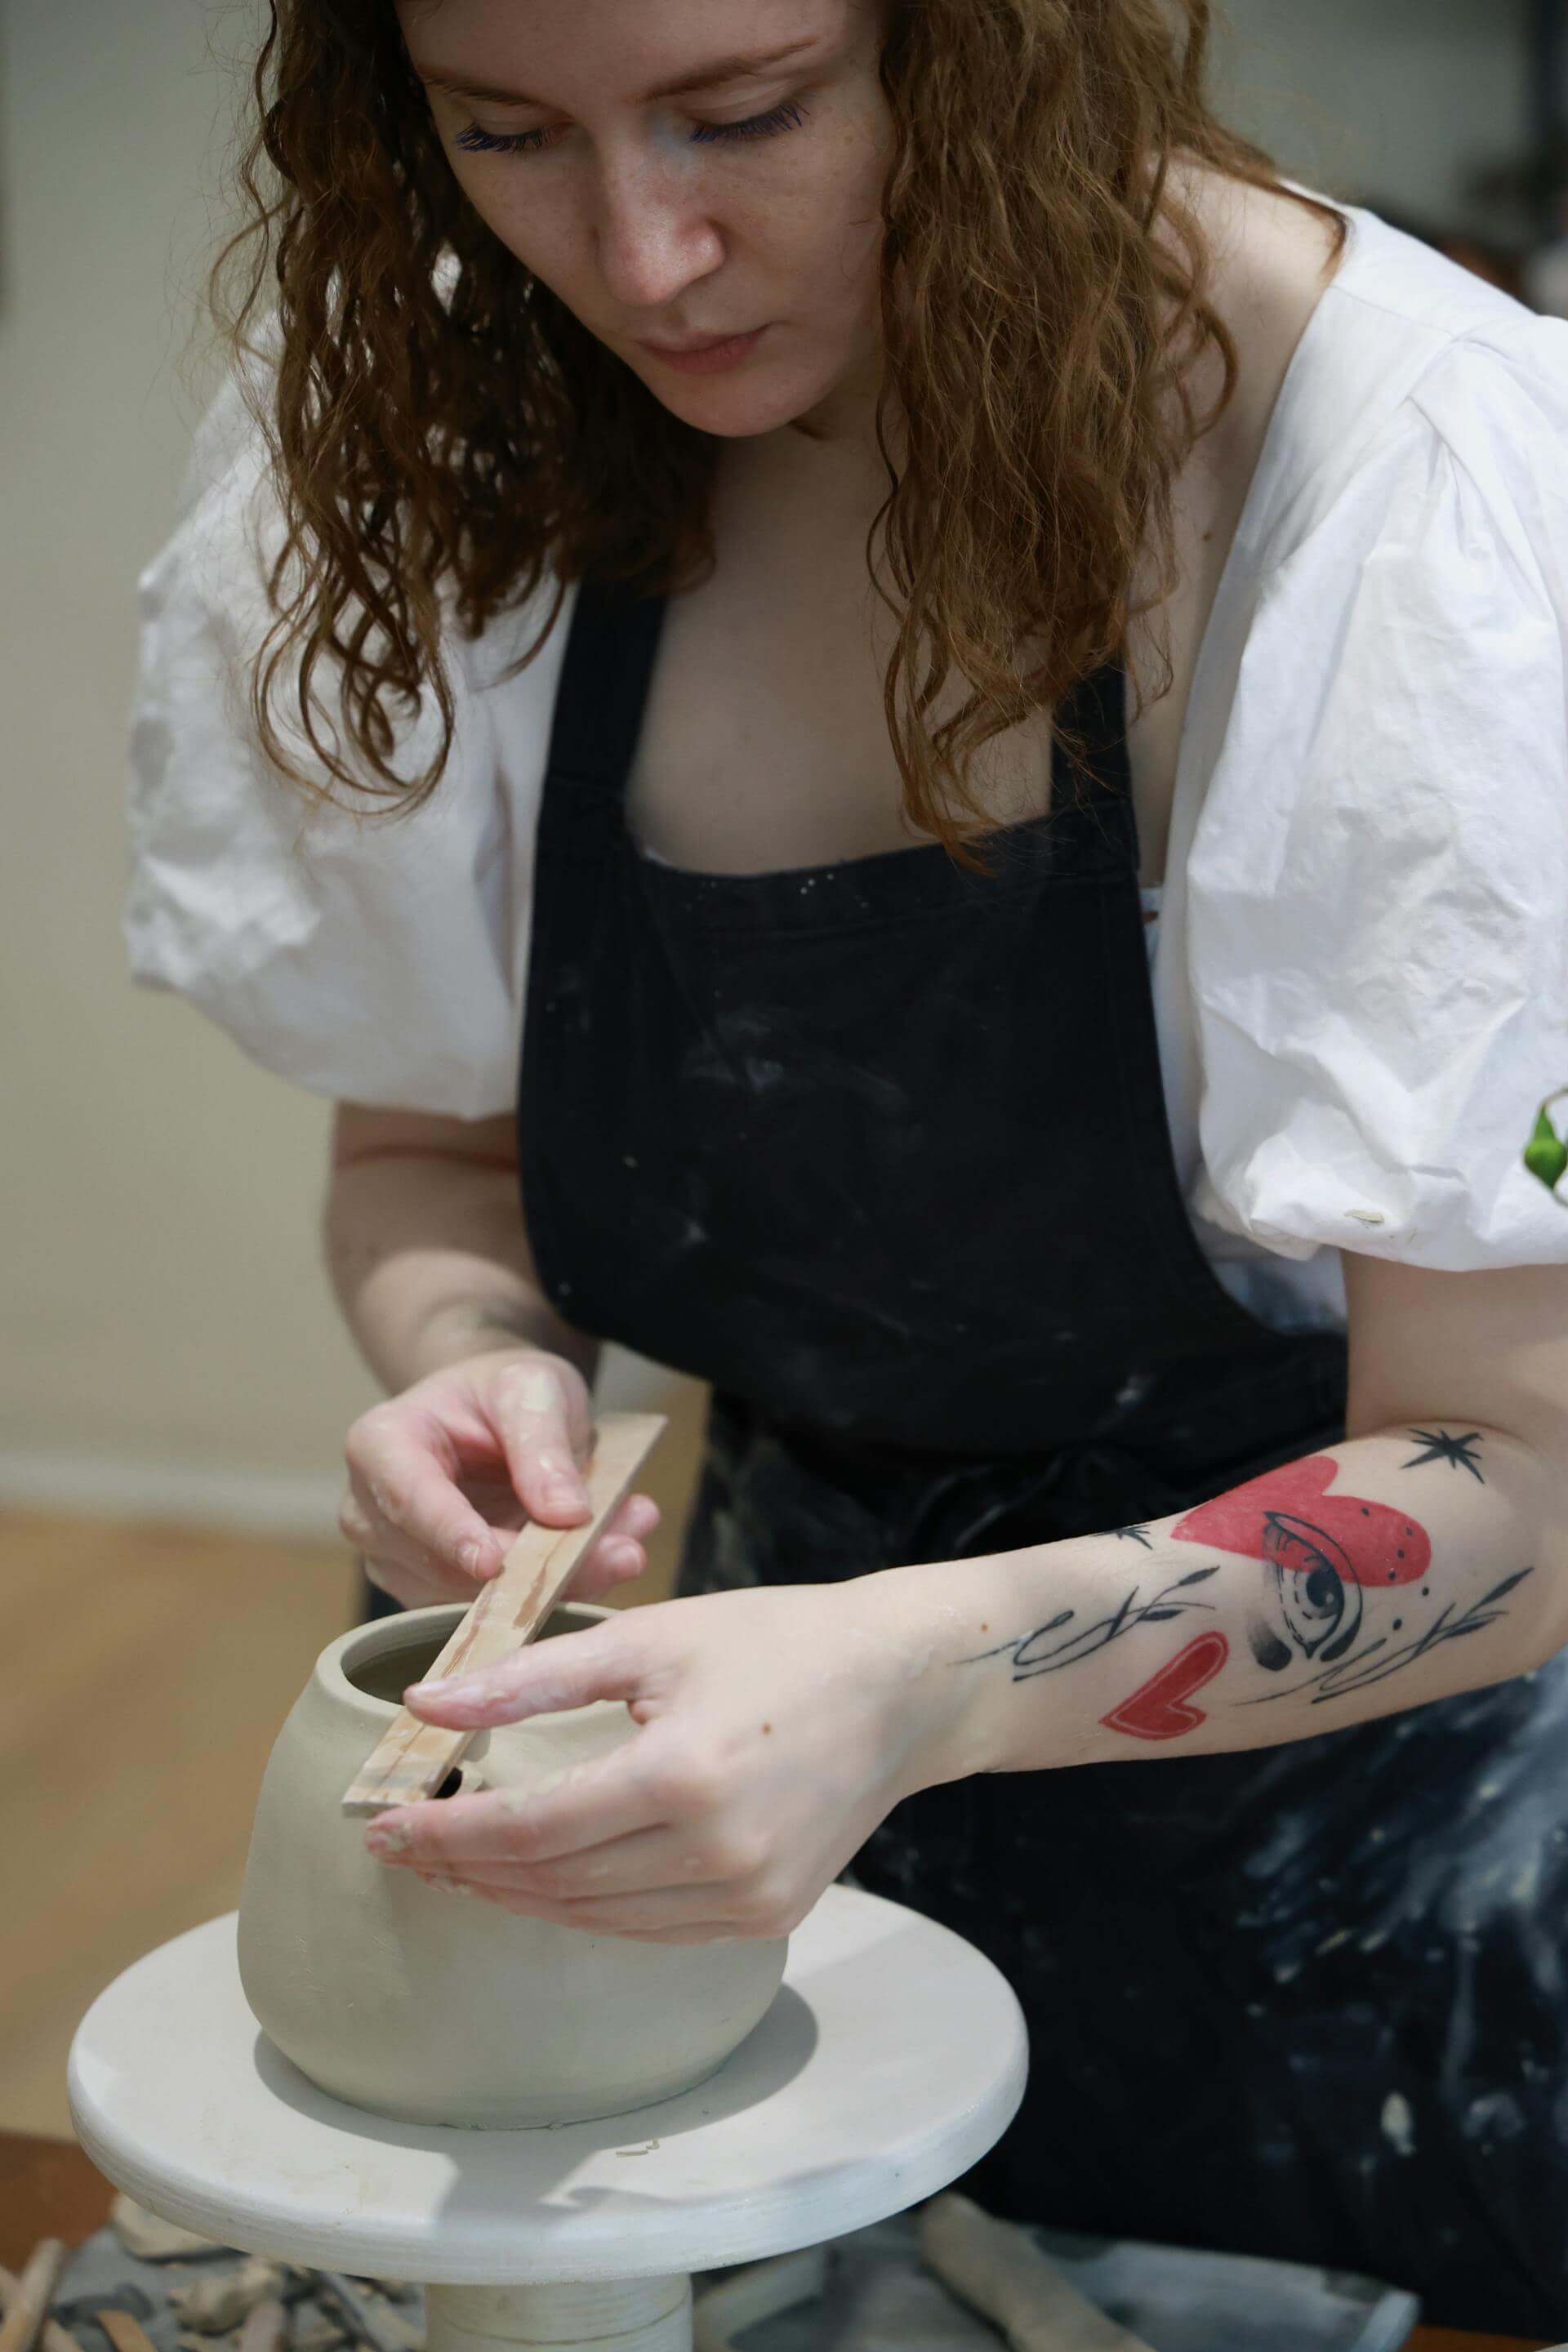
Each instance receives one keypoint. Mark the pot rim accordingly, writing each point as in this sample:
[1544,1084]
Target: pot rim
[361,1644]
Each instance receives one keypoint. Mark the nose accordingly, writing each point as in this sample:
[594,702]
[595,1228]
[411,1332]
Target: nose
[653,233]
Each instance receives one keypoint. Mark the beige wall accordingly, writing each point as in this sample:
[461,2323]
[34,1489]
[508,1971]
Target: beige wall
[167,1340]
[168,1343]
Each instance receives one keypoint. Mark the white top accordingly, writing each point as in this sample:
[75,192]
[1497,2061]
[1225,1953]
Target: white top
[1361,966]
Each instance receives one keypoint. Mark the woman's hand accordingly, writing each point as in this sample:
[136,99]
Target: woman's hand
[780,1725]
[443,1478]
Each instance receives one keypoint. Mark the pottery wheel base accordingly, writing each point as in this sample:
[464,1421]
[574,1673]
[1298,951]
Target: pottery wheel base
[612,2314]
[892,2058]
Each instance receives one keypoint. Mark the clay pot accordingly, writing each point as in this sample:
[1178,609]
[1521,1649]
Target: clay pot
[431,2008]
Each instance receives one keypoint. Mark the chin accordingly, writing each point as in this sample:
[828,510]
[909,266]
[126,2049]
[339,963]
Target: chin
[820,403]
[731,413]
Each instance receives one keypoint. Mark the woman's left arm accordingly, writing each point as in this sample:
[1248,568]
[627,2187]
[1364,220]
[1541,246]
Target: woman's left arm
[1425,1554]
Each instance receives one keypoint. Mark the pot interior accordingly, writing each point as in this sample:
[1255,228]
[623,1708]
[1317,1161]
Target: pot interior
[385,1666]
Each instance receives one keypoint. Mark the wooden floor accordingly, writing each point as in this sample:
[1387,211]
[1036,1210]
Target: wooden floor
[149,1670]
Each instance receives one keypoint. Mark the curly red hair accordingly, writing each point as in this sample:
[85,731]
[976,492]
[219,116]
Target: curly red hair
[443,428]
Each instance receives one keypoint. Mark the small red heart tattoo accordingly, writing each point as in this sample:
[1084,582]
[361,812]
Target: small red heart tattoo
[1158,1709]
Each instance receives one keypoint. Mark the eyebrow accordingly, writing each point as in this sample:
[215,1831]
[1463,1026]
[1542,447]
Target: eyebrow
[743,66]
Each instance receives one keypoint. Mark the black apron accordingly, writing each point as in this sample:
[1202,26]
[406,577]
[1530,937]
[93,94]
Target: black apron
[880,1150]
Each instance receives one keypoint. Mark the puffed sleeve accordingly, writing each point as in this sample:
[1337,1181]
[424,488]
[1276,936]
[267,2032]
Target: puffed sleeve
[374,959]
[1378,883]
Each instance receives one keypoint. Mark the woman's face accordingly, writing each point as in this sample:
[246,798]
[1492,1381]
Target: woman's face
[750,202]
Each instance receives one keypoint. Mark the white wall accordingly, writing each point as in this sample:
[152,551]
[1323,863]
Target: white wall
[168,1341]
[159,1291]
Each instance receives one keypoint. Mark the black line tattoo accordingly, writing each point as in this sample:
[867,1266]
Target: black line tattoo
[1457,1452]
[1374,1660]
[1030,1659]
[1137,1534]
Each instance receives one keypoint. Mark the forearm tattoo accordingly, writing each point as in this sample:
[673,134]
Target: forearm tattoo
[1321,1556]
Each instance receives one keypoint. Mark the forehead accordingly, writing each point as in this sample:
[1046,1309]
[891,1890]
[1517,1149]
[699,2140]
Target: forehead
[620,45]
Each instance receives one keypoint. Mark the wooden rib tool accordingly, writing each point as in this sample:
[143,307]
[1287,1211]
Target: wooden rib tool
[28,2310]
[412,1758]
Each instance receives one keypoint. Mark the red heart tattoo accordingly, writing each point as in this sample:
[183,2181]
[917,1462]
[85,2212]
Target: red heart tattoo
[1378,1545]
[1158,1709]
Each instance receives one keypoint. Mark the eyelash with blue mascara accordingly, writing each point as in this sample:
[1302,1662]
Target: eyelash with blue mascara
[517,142]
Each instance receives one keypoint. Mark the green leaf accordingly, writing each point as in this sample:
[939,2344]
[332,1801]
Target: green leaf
[1546,1154]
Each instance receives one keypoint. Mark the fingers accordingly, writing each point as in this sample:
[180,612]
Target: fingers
[401,1509]
[605,1662]
[663,1909]
[590,1803]
[422,1536]
[638,1517]
[700,1931]
[633,1865]
[618,1556]
[419,1587]
[542,1422]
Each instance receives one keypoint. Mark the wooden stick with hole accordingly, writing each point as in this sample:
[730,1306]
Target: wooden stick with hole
[412,1758]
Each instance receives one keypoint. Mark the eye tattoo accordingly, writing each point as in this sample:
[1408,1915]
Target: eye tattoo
[1378,1658]
[1316,1591]
[787,117]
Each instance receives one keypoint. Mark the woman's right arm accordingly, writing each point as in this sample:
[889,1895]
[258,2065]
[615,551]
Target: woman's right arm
[488,1413]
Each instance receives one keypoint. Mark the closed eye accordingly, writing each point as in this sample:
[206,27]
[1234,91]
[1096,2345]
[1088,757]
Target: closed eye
[787,117]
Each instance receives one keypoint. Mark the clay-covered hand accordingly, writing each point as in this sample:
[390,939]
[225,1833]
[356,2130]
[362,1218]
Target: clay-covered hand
[780,1725]
[444,1476]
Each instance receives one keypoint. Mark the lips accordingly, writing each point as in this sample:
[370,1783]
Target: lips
[706,344]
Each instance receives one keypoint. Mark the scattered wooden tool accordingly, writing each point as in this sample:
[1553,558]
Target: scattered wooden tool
[1001,2272]
[217,2303]
[412,1758]
[126,2334]
[52,2337]
[28,2307]
[363,2324]
[761,2290]
[265,2328]
[150,2238]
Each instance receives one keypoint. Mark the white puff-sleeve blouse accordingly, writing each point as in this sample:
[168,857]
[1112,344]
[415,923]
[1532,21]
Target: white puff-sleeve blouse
[1360,961]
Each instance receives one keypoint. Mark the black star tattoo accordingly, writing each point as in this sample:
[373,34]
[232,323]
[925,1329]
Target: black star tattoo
[1440,1448]
[1137,1535]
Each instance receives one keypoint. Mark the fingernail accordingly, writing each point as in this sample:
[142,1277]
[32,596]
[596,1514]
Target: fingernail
[564,1495]
[472,1556]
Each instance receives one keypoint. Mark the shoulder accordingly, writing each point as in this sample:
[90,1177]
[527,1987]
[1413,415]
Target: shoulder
[1407,359]
[1376,879]
[367,954]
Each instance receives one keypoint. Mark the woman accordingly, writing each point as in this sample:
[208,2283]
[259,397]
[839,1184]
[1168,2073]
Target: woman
[1161,1372]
